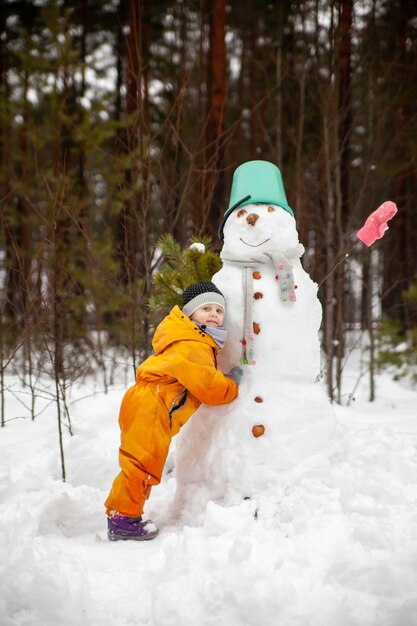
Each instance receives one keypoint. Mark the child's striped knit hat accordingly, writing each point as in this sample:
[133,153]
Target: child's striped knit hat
[204,292]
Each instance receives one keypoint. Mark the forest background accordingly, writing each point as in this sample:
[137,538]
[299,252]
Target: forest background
[122,122]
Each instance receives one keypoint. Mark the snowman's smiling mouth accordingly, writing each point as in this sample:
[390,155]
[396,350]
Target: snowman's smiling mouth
[252,245]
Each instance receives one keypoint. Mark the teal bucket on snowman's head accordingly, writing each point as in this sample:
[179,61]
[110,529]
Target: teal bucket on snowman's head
[256,182]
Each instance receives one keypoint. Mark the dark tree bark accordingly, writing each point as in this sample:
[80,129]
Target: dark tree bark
[400,265]
[216,90]
[177,212]
[345,115]
[16,209]
[129,244]
[135,226]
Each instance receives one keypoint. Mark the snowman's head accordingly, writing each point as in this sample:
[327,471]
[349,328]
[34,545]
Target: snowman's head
[259,219]
[257,229]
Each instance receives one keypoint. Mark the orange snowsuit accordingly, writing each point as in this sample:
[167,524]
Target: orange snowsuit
[170,386]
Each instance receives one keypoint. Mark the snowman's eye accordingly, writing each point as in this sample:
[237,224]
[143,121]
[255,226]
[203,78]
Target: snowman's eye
[241,212]
[271,209]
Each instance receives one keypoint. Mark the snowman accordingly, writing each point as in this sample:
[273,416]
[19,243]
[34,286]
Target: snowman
[280,428]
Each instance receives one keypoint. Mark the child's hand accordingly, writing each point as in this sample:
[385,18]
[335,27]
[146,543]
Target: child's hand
[236,374]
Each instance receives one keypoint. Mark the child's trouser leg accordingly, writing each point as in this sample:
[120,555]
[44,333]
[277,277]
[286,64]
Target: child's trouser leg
[128,496]
[144,448]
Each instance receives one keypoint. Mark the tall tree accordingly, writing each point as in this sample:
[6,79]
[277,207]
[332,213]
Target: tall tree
[401,268]
[216,101]
[345,115]
[16,219]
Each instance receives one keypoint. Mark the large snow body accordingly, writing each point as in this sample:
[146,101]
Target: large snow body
[218,457]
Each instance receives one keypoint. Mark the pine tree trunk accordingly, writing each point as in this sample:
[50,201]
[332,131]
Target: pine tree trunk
[342,175]
[129,217]
[279,98]
[216,89]
[367,316]
[400,265]
[345,115]
[330,243]
[136,221]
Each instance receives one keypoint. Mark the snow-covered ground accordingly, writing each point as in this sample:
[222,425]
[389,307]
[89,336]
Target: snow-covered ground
[340,549]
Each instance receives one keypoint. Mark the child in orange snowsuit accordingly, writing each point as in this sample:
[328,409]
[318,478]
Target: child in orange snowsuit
[170,386]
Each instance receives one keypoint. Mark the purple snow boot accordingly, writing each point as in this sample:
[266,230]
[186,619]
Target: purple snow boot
[121,527]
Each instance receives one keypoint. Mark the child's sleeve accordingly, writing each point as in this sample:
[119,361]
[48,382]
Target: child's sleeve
[195,369]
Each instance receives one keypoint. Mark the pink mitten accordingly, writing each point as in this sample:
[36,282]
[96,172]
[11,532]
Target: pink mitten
[376,224]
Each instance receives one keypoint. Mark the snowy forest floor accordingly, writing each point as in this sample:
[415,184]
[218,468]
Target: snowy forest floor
[337,550]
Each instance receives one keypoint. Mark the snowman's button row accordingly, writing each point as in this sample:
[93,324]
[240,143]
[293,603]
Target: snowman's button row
[257,276]
[259,429]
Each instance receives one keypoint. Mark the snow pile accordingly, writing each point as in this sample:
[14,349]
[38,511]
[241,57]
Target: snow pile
[331,548]
[312,523]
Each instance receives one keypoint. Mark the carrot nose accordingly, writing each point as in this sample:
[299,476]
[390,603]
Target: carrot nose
[252,218]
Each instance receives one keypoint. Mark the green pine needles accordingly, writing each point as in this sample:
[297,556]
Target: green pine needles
[179,268]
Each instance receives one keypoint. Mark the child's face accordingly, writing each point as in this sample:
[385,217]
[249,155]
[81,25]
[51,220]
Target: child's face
[209,314]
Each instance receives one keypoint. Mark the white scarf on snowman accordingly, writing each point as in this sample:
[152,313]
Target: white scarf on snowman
[286,287]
